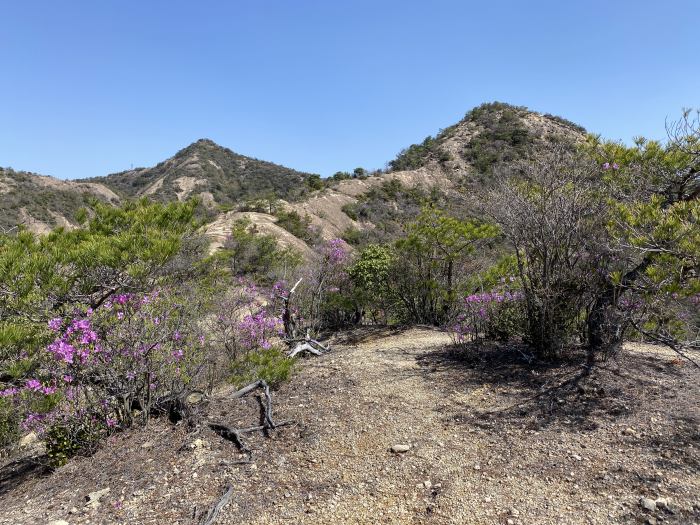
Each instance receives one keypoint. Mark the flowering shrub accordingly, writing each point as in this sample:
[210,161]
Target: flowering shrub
[131,356]
[244,320]
[493,315]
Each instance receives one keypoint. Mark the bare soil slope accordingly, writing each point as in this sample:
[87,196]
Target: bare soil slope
[491,442]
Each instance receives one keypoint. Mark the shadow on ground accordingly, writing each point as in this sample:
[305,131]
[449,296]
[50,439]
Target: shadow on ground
[534,395]
[14,473]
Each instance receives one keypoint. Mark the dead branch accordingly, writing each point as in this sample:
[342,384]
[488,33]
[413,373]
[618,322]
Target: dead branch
[307,345]
[214,511]
[235,434]
[290,325]
[667,341]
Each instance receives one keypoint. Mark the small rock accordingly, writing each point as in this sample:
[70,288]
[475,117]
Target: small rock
[58,522]
[510,522]
[514,512]
[662,503]
[28,440]
[147,444]
[629,431]
[93,499]
[647,504]
[427,484]
[198,443]
[477,467]
[73,510]
[400,449]
[194,398]
[651,521]
[577,457]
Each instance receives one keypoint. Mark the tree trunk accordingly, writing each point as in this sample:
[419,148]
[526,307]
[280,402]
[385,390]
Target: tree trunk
[605,328]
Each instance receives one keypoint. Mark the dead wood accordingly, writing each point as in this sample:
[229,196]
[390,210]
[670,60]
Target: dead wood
[235,434]
[214,511]
[307,345]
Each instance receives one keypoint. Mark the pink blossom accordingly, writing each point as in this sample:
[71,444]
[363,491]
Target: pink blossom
[33,384]
[8,392]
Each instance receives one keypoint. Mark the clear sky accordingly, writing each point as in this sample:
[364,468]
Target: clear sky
[92,87]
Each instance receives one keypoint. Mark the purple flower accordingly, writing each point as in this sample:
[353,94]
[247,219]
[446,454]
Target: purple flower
[33,384]
[55,324]
[62,351]
[9,392]
[122,298]
[48,390]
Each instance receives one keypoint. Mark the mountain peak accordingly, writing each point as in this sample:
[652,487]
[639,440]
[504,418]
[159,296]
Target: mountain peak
[216,174]
[488,134]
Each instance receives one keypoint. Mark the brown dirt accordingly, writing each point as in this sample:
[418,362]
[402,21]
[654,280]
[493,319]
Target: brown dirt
[492,440]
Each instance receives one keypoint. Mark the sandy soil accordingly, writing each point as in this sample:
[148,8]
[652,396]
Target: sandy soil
[492,441]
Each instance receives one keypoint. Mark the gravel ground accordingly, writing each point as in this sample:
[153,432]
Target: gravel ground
[491,440]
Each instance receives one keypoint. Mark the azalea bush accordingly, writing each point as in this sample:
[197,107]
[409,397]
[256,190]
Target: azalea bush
[245,319]
[324,297]
[498,315]
[132,356]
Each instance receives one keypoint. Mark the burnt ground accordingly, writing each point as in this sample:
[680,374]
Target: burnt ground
[493,440]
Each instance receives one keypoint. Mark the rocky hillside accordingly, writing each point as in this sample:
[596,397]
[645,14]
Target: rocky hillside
[458,160]
[40,203]
[217,175]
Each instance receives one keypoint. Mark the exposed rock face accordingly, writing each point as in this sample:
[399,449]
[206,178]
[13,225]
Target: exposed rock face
[219,177]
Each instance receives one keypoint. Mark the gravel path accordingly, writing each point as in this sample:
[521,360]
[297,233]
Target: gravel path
[490,441]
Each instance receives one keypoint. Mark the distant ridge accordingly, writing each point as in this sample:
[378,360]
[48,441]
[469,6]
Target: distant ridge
[216,174]
[362,208]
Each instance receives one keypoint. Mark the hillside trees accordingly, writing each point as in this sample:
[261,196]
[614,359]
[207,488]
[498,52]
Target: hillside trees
[655,233]
[417,278]
[607,241]
[552,215]
[251,253]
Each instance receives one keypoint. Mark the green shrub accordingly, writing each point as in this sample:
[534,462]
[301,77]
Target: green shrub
[66,440]
[271,365]
[249,253]
[297,225]
[9,423]
[353,236]
[350,210]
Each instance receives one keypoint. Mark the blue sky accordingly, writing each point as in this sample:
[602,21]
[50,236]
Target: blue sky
[92,87]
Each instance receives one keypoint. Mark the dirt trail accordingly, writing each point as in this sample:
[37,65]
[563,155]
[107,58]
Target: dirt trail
[491,442]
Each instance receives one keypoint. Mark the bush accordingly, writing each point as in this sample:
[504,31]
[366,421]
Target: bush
[553,217]
[9,422]
[298,226]
[497,315]
[271,364]
[249,253]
